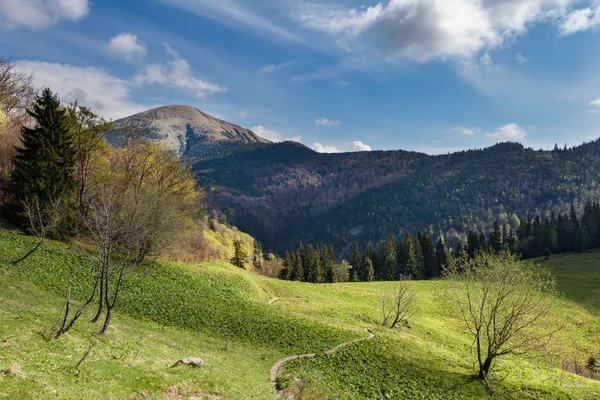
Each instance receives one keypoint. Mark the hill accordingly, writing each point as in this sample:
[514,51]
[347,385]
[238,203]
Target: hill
[284,193]
[222,314]
[186,130]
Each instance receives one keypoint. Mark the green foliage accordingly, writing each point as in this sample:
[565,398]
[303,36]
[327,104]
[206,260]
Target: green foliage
[216,304]
[44,165]
[239,257]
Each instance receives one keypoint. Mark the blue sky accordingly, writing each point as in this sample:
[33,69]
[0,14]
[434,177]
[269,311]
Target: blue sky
[426,75]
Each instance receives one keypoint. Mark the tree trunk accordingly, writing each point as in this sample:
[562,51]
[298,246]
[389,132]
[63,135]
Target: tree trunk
[484,369]
[101,301]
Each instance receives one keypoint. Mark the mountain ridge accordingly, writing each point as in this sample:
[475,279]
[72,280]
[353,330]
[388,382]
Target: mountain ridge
[182,128]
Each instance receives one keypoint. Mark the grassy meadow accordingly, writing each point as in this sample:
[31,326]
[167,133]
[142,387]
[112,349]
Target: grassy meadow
[221,314]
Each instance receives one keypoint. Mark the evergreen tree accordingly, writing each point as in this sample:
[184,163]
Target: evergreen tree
[441,256]
[44,165]
[496,238]
[239,257]
[472,244]
[459,252]
[355,260]
[369,271]
[430,267]
[287,272]
[330,265]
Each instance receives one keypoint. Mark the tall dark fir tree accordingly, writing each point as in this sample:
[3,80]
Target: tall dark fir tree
[45,161]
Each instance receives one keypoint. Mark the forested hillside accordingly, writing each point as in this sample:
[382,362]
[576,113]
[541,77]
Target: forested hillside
[339,198]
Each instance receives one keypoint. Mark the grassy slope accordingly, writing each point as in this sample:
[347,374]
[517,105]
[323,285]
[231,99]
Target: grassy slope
[578,277]
[220,313]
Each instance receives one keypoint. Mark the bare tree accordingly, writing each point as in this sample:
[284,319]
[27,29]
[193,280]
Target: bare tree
[89,132]
[401,306]
[502,303]
[43,218]
[135,209]
[16,94]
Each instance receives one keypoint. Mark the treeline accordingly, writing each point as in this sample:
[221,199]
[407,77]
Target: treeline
[420,257]
[417,257]
[314,264]
[559,234]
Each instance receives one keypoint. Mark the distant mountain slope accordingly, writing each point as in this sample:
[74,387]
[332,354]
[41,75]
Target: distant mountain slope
[284,193]
[188,131]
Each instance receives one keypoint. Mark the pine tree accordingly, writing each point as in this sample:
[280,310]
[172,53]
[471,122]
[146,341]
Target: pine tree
[430,267]
[496,238]
[441,256]
[369,271]
[355,260]
[239,257]
[288,267]
[45,164]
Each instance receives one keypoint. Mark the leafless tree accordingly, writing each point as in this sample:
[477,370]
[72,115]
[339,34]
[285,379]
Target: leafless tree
[502,303]
[89,132]
[43,218]
[401,306]
[16,94]
[136,209]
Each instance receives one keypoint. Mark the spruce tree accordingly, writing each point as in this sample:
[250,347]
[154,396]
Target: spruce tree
[44,165]
[239,257]
[355,260]
[369,271]
[441,256]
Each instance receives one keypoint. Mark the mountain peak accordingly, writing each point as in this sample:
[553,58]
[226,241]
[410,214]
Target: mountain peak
[179,128]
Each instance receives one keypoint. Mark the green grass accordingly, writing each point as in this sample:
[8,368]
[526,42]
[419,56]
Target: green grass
[220,313]
[578,277]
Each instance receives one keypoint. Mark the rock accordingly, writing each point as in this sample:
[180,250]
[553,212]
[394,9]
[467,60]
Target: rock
[191,361]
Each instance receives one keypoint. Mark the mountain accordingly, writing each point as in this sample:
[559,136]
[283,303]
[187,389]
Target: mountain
[284,193]
[188,131]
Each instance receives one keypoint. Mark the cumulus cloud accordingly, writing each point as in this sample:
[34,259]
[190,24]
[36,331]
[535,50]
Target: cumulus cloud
[594,105]
[320,148]
[359,146]
[423,30]
[177,74]
[508,132]
[466,131]
[106,95]
[38,14]
[273,136]
[327,122]
[580,20]
[127,45]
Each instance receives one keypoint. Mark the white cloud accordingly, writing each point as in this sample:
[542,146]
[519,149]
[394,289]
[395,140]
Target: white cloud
[580,20]
[127,45]
[521,59]
[327,122]
[508,132]
[243,114]
[318,147]
[423,30]
[269,69]
[106,95]
[466,131]
[273,136]
[235,15]
[359,146]
[37,14]
[177,74]
[595,105]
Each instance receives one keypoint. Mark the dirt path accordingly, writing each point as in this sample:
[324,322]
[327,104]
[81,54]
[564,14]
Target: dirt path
[279,364]
[287,298]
